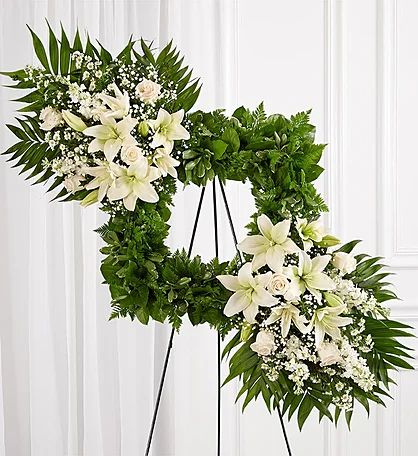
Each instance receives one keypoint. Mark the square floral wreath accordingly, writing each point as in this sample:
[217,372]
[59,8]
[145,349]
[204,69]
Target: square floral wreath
[310,323]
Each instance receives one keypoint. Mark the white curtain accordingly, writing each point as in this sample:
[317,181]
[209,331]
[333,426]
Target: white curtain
[71,382]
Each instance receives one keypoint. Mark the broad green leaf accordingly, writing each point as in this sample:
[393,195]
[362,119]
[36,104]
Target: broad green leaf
[39,50]
[305,409]
[53,50]
[65,53]
[219,147]
[230,136]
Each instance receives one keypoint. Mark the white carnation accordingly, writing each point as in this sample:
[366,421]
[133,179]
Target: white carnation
[50,118]
[329,354]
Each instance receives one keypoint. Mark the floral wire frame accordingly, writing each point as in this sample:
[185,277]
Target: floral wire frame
[311,326]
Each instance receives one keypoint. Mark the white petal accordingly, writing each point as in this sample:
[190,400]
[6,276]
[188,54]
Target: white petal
[285,324]
[250,313]
[263,298]
[139,169]
[130,201]
[280,231]
[93,184]
[178,132]
[245,276]
[158,140]
[319,334]
[111,148]
[229,282]
[172,171]
[275,258]
[146,192]
[319,263]
[178,116]
[119,190]
[274,316]
[102,191]
[259,261]
[99,131]
[265,226]
[236,303]
[300,324]
[154,174]
[317,294]
[296,288]
[254,244]
[108,121]
[307,245]
[95,145]
[305,263]
[163,117]
[125,126]
[320,281]
[289,246]
[263,279]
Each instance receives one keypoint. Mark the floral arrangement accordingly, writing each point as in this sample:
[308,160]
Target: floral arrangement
[311,326]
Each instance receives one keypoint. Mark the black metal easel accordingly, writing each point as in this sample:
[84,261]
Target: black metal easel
[170,342]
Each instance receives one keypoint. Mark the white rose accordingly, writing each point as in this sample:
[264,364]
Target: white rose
[329,353]
[293,293]
[345,262]
[73,183]
[50,118]
[148,91]
[131,154]
[264,343]
[279,284]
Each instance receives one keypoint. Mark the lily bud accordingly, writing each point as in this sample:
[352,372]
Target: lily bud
[91,198]
[333,300]
[246,332]
[73,121]
[329,241]
[143,129]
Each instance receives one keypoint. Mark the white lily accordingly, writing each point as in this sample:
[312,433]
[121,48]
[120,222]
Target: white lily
[309,274]
[249,293]
[165,162]
[288,313]
[104,175]
[167,128]
[271,246]
[111,135]
[135,183]
[328,321]
[309,232]
[119,104]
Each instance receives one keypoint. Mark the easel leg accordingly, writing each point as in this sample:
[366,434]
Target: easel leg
[219,409]
[170,343]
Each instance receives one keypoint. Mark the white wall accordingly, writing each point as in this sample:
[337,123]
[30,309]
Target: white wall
[76,384]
